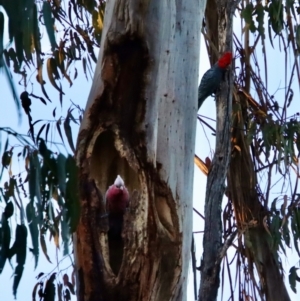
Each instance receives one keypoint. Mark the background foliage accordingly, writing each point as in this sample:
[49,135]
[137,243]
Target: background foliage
[43,191]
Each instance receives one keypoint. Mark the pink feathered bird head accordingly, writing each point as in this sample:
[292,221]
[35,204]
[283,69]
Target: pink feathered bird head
[117,197]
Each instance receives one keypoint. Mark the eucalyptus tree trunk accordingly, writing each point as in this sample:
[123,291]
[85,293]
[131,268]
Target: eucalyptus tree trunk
[140,122]
[215,187]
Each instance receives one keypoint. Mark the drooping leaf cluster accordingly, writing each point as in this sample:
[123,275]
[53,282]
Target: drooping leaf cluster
[45,287]
[50,36]
[279,14]
[67,121]
[283,25]
[45,197]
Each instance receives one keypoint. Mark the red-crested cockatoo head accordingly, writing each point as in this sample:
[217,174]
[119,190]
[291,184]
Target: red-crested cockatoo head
[212,78]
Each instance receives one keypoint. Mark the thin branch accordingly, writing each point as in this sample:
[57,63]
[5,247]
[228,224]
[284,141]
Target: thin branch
[227,244]
[199,213]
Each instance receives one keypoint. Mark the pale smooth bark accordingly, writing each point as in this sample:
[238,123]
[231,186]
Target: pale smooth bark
[140,122]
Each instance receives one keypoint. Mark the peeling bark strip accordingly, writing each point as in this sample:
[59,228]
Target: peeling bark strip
[212,240]
[140,123]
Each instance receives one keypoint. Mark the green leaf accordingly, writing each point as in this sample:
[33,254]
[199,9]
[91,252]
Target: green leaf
[273,205]
[89,5]
[276,16]
[40,98]
[49,292]
[5,241]
[19,47]
[40,132]
[58,123]
[295,226]
[298,36]
[14,12]
[34,231]
[17,277]
[61,93]
[274,228]
[49,23]
[59,291]
[54,112]
[290,6]
[72,198]
[67,295]
[247,15]
[6,158]
[34,291]
[13,56]
[71,287]
[40,80]
[44,247]
[266,139]
[55,230]
[260,13]
[1,37]
[9,188]
[36,34]
[39,76]
[292,278]
[19,248]
[47,131]
[52,71]
[34,181]
[5,148]
[286,233]
[61,173]
[4,67]
[13,89]
[68,131]
[9,210]
[84,67]
[297,218]
[27,28]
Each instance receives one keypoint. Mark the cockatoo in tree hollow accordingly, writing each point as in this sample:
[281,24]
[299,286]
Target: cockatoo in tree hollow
[212,78]
[117,200]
